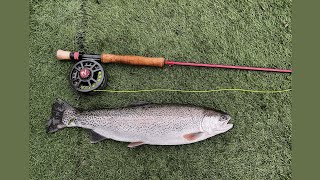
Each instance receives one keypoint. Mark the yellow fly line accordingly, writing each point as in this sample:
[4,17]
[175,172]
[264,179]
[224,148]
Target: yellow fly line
[193,91]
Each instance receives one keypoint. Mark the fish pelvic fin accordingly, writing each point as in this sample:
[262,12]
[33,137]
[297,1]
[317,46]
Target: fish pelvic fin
[95,137]
[55,122]
[192,136]
[135,144]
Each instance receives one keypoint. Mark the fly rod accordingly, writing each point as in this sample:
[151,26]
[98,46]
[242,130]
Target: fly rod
[152,61]
[88,75]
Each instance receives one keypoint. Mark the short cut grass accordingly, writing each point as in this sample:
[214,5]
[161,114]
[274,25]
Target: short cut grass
[251,33]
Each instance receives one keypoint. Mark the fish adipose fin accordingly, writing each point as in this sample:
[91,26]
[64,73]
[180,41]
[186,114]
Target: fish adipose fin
[55,122]
[192,136]
[95,137]
[135,144]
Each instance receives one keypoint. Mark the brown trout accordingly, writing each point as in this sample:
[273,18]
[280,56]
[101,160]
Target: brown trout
[153,124]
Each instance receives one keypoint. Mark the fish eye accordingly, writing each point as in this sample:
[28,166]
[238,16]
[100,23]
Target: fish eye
[224,117]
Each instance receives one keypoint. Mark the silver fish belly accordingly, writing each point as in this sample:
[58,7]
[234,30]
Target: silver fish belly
[144,124]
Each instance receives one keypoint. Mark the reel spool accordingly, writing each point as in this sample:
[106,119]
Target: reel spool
[87,75]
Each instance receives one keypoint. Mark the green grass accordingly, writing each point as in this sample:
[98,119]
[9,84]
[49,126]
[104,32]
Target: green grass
[228,32]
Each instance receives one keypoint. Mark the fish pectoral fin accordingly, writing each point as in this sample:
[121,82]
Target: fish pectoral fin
[192,136]
[95,137]
[135,144]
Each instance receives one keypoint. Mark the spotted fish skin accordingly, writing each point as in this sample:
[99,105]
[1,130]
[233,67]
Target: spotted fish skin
[155,124]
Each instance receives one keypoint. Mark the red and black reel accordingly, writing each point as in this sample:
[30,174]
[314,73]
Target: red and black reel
[87,75]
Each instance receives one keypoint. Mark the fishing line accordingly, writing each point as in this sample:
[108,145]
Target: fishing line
[193,91]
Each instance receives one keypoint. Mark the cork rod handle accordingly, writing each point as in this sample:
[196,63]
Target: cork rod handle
[63,55]
[133,60]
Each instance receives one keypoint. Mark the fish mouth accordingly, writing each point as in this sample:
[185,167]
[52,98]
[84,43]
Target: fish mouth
[227,126]
[224,123]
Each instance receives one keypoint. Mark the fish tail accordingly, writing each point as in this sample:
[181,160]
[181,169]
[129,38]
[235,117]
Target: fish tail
[58,109]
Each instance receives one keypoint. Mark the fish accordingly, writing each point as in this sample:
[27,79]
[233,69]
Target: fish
[139,124]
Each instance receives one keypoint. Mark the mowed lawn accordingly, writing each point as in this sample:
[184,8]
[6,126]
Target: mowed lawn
[251,33]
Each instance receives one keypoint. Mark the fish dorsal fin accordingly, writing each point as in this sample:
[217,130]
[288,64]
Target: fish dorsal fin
[95,137]
[192,136]
[135,144]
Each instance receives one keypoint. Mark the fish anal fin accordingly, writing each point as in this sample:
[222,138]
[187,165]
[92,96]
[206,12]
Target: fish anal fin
[192,136]
[135,144]
[95,137]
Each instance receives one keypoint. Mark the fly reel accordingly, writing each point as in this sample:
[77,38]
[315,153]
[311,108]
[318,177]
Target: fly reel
[87,75]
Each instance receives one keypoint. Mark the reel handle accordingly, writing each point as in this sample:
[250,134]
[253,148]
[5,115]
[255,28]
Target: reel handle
[133,60]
